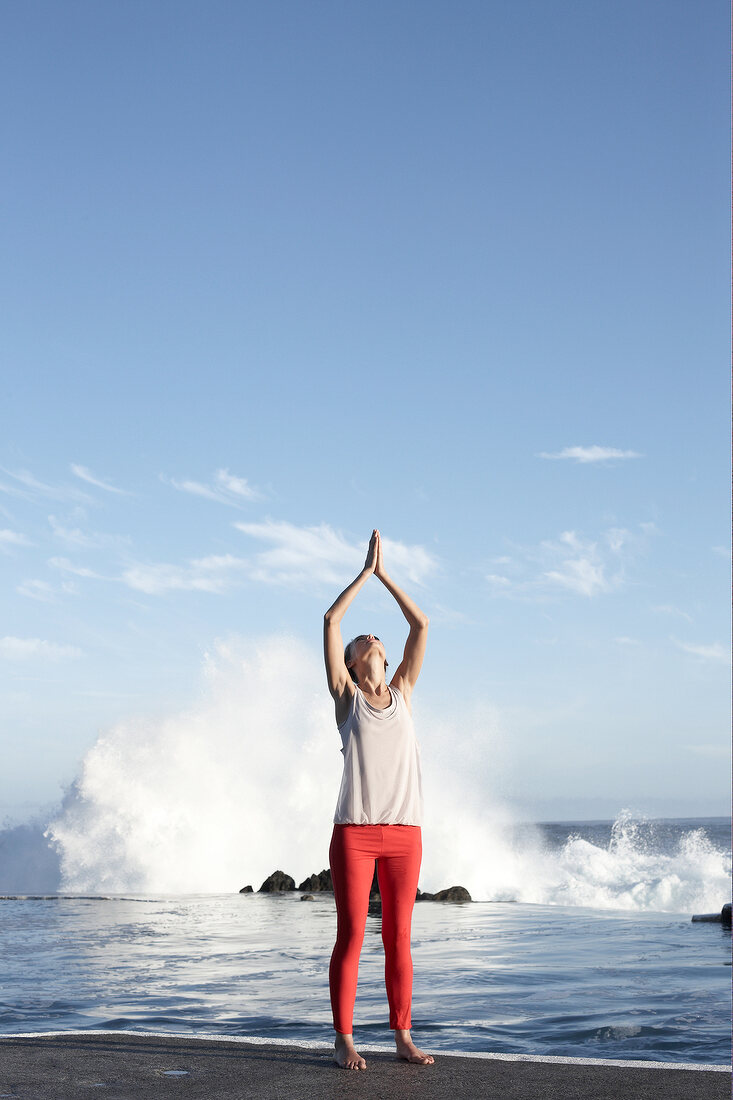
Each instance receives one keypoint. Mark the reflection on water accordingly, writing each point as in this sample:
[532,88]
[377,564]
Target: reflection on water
[488,976]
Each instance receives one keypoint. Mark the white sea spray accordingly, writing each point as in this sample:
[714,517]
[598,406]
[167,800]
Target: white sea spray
[245,781]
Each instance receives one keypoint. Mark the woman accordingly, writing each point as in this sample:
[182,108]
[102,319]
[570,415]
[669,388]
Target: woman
[379,809]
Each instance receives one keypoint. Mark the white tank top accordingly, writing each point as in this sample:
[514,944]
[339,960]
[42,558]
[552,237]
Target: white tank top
[381,784]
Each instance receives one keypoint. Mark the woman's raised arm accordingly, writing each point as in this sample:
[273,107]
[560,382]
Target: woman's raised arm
[339,680]
[409,668]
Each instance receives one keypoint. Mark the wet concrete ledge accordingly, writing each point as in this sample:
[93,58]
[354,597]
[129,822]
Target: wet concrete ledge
[122,1065]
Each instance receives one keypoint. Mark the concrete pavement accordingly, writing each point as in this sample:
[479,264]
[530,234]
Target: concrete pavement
[127,1065]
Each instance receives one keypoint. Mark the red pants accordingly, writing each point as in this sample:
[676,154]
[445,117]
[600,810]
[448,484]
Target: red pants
[398,852]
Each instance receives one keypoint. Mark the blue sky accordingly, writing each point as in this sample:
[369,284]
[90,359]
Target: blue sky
[275,274]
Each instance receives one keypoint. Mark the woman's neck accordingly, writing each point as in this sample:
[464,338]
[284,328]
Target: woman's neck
[374,683]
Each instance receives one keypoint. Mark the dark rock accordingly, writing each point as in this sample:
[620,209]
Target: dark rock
[307,897]
[276,883]
[317,883]
[246,890]
[453,893]
[723,917]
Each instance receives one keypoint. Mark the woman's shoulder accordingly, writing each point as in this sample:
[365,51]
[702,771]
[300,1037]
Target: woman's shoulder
[403,696]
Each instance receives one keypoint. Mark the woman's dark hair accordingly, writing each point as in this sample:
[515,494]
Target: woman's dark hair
[347,656]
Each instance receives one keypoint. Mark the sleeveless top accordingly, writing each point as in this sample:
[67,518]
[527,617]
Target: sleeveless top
[381,783]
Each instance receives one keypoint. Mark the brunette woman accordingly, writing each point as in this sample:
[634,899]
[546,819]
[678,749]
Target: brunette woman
[379,810]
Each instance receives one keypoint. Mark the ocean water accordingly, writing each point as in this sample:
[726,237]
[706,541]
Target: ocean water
[578,941]
[626,981]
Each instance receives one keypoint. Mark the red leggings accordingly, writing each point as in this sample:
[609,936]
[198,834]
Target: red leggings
[398,852]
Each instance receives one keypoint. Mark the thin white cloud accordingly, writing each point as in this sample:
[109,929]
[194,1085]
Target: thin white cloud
[73,536]
[500,582]
[86,475]
[216,574]
[297,557]
[670,609]
[43,591]
[586,567]
[414,563]
[722,551]
[197,489]
[302,554]
[85,540]
[623,640]
[67,566]
[22,649]
[239,486]
[226,488]
[580,575]
[318,554]
[581,567]
[617,538]
[13,538]
[715,652]
[218,562]
[37,590]
[30,488]
[590,454]
[450,616]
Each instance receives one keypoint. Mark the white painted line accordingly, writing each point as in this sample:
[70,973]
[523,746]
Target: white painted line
[259,1040]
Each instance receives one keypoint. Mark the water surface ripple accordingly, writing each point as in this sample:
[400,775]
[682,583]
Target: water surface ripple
[514,978]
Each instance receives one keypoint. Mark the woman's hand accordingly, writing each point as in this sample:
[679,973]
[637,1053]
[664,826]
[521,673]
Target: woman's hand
[339,681]
[379,569]
[371,558]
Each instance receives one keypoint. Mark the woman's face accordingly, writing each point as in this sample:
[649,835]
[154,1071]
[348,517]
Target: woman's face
[364,643]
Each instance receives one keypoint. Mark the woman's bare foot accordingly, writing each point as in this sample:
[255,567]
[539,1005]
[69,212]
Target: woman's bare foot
[406,1049]
[345,1053]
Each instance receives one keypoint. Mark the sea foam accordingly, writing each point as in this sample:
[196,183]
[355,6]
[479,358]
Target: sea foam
[245,781]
